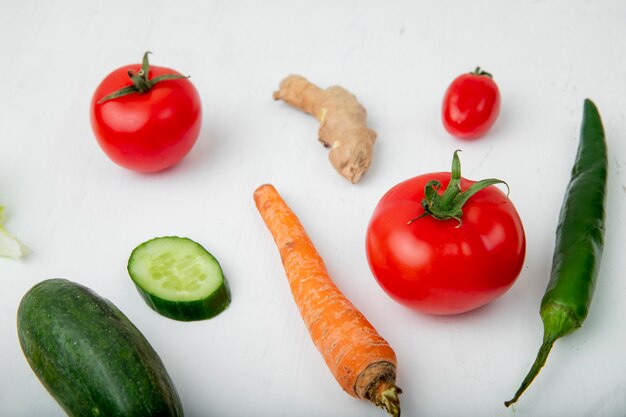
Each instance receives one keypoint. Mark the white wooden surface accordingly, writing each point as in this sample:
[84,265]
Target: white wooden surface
[81,215]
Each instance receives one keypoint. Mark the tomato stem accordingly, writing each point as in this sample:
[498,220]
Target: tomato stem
[140,82]
[479,71]
[449,205]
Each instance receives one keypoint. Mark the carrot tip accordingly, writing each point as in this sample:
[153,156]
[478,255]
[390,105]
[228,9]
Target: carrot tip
[389,400]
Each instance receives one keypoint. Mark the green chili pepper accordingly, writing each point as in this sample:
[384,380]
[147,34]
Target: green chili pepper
[579,243]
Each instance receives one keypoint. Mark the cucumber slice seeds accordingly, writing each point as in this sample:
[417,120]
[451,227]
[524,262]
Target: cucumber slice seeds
[179,279]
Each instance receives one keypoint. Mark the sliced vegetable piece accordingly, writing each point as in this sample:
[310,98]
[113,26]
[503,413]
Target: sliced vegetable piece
[179,279]
[9,246]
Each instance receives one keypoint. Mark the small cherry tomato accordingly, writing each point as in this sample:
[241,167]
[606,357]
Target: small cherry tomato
[471,105]
[146,118]
[445,252]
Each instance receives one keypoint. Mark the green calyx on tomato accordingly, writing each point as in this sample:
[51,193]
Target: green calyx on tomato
[449,205]
[479,71]
[141,82]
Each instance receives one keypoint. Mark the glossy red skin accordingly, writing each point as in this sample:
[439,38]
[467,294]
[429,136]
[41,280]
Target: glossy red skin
[434,267]
[146,132]
[470,106]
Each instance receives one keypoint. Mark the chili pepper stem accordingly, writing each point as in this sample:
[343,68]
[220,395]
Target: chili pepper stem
[542,356]
[558,321]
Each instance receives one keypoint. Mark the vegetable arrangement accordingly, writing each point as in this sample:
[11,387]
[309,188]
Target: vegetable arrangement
[359,358]
[90,357]
[579,243]
[437,243]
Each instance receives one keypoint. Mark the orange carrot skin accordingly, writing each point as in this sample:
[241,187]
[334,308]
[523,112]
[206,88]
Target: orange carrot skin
[348,343]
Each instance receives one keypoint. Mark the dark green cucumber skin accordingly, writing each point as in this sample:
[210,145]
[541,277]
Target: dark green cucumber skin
[90,357]
[203,309]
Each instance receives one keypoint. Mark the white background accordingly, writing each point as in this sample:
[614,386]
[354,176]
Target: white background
[82,215]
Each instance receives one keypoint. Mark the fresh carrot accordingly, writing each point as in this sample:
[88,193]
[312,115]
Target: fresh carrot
[359,358]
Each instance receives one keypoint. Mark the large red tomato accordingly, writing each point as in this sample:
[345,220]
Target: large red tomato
[146,118]
[471,105]
[442,258]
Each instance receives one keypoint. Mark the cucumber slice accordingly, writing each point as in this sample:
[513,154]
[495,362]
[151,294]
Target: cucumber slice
[179,279]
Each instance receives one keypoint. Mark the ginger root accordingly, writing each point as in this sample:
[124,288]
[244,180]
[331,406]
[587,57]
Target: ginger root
[343,127]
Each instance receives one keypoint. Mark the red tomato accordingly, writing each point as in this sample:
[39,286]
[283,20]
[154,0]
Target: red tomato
[146,131]
[444,266]
[471,105]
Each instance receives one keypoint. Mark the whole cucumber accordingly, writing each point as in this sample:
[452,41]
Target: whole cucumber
[89,356]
